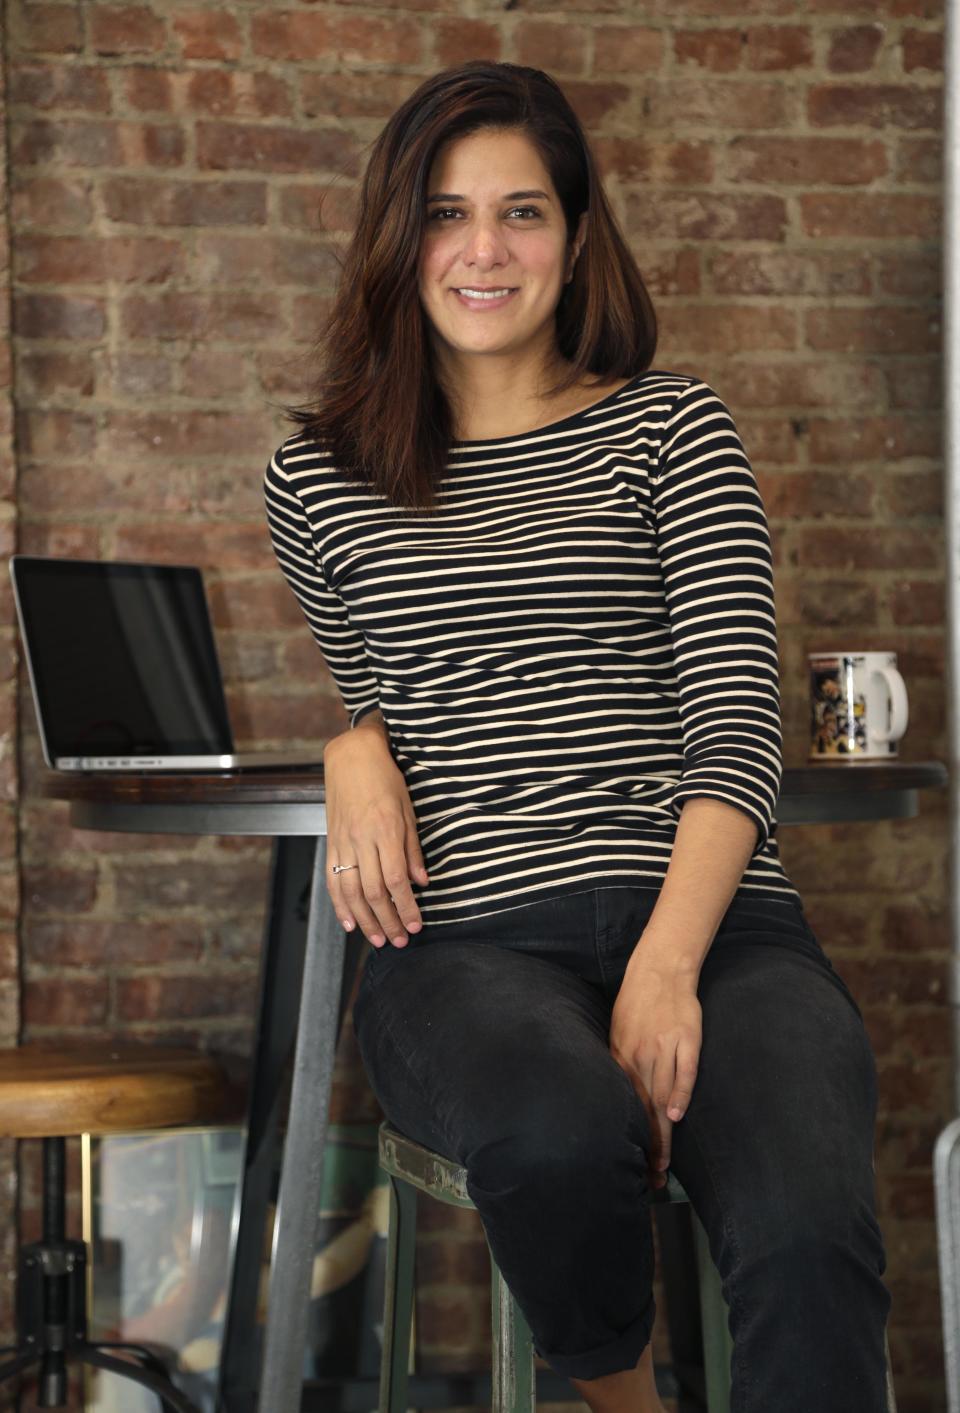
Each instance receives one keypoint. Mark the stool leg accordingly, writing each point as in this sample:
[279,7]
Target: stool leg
[717,1344]
[398,1296]
[891,1395]
[170,1397]
[514,1376]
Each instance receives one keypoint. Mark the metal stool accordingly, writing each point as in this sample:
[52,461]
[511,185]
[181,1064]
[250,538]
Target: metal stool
[57,1091]
[412,1169]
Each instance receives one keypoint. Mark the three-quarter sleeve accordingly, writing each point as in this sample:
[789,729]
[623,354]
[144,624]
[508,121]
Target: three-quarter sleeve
[717,565]
[341,644]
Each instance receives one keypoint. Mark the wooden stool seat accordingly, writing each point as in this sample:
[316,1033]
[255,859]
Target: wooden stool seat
[103,1087]
[55,1092]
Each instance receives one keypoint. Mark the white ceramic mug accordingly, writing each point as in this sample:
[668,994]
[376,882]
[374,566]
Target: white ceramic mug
[858,706]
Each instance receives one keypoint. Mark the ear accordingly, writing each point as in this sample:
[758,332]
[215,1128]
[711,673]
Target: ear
[578,240]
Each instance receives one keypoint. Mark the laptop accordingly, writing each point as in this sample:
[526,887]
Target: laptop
[124,670]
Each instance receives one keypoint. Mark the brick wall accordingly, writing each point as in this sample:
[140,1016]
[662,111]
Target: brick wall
[778,176]
[9,873]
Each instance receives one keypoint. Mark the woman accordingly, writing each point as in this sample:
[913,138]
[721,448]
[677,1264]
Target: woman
[540,572]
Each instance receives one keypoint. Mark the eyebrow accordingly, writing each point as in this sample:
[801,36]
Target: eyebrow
[510,196]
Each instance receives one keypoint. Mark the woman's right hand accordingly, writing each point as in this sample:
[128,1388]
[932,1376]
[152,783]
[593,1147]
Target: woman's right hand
[370,822]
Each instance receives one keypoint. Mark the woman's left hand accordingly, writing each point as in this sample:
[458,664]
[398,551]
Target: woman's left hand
[655,1035]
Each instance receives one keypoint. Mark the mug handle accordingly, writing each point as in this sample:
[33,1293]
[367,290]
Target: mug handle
[900,714]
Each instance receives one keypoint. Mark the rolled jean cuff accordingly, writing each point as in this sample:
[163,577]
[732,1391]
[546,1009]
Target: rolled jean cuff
[612,1358]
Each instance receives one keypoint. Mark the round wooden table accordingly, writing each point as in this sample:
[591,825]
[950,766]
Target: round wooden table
[308,965]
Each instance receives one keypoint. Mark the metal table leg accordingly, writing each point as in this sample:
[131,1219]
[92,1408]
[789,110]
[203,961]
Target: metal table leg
[281,974]
[298,1206]
[280,997]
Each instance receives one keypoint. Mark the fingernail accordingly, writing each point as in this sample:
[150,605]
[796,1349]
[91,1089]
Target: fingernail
[400,941]
[348,924]
[413,927]
[674,1114]
[377,939]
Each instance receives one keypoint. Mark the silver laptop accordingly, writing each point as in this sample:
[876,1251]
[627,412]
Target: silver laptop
[124,668]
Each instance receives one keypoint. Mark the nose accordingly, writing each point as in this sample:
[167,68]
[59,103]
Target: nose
[483,244]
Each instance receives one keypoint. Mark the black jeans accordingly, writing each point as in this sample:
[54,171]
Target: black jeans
[488,1041]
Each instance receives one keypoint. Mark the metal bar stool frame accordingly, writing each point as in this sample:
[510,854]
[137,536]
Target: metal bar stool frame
[413,1169]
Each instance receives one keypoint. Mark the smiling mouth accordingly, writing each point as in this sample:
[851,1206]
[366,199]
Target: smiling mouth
[480,299]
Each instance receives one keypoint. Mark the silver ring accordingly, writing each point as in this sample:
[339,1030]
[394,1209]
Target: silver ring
[339,868]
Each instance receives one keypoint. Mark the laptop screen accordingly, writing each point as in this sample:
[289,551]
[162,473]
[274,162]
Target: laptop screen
[122,658]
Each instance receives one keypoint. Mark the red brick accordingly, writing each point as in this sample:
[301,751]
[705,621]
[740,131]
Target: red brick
[172,434]
[558,47]
[52,29]
[854,50]
[46,201]
[355,38]
[719,50]
[874,105]
[66,1002]
[65,260]
[227,259]
[61,488]
[354,94]
[806,160]
[208,34]
[921,49]
[877,329]
[213,373]
[138,375]
[60,87]
[112,944]
[142,889]
[54,433]
[279,720]
[59,316]
[914,494]
[916,602]
[72,142]
[673,163]
[303,262]
[319,207]
[124,29]
[811,493]
[148,90]
[226,317]
[705,215]
[254,602]
[728,328]
[185,203]
[225,94]
[235,146]
[746,105]
[248,658]
[62,888]
[870,439]
[49,374]
[627,49]
[193,996]
[459,39]
[202,542]
[152,144]
[768,48]
[919,159]
[777,272]
[63,540]
[881,217]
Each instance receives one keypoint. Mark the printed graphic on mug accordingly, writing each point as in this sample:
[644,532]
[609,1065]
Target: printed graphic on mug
[858,705]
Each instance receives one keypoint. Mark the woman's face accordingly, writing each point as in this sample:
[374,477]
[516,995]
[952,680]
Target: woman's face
[493,222]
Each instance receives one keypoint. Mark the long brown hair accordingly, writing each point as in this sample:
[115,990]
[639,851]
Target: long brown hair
[377,404]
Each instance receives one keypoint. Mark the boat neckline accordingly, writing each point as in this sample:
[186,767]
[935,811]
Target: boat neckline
[570,420]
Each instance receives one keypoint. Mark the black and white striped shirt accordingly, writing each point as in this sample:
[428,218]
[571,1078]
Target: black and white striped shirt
[582,639]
